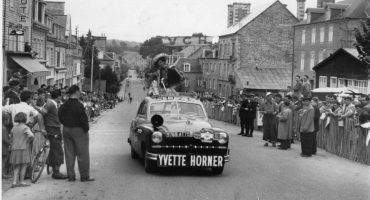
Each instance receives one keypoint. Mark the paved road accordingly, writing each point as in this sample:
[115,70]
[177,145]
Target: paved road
[255,172]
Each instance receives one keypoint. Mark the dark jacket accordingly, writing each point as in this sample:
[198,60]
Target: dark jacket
[316,118]
[72,114]
[251,109]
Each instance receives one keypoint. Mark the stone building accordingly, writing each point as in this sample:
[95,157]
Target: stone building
[18,52]
[324,31]
[255,54]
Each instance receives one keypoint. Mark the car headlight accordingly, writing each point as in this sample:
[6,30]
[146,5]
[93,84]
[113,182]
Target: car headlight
[223,138]
[157,137]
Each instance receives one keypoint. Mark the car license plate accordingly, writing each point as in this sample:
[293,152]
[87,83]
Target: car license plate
[169,160]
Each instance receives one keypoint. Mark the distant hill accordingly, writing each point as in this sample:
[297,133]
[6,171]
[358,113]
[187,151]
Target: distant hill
[119,46]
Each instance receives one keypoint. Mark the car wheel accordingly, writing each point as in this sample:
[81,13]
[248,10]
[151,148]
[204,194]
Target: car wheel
[217,170]
[133,154]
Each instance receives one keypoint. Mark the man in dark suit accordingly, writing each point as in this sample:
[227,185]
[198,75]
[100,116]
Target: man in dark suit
[76,135]
[243,104]
[250,115]
[53,128]
[12,95]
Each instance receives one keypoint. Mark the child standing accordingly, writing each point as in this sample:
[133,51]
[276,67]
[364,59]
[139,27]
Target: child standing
[20,155]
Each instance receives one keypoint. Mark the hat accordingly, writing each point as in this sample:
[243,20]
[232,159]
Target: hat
[158,57]
[14,82]
[268,93]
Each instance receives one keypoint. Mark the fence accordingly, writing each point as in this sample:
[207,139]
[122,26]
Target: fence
[331,138]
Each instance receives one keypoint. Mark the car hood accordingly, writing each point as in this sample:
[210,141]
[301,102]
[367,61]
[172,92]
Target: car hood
[191,126]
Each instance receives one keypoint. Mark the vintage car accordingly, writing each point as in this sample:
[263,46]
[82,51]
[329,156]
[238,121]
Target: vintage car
[173,131]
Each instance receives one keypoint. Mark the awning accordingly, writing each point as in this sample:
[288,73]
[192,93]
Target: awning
[29,64]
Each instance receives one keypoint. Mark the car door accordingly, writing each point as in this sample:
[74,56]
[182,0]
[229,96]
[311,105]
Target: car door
[137,121]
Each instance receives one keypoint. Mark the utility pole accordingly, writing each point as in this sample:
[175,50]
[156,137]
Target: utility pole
[92,68]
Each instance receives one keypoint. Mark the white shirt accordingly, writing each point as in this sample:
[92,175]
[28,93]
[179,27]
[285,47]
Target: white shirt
[14,109]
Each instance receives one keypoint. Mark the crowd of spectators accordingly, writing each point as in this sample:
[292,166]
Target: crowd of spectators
[295,115]
[93,103]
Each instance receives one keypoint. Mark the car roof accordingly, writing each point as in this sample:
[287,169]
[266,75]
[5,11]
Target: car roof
[172,98]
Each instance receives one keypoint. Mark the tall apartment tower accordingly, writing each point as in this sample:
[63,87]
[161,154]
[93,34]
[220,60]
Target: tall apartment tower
[301,5]
[236,12]
[321,3]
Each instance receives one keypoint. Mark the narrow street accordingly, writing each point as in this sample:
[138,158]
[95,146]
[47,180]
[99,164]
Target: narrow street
[255,172]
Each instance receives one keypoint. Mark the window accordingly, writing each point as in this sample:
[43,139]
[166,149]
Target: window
[313,37]
[303,37]
[322,34]
[214,84]
[303,54]
[11,4]
[350,83]
[186,83]
[330,36]
[142,109]
[323,81]
[356,85]
[341,82]
[186,67]
[312,59]
[333,82]
[321,56]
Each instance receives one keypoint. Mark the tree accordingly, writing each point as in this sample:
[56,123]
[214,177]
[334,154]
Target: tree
[112,82]
[362,44]
[152,47]
[198,34]
[86,44]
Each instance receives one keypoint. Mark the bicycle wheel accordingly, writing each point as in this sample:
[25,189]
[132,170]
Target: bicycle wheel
[39,164]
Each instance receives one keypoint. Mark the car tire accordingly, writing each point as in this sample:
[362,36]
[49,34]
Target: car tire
[217,170]
[133,154]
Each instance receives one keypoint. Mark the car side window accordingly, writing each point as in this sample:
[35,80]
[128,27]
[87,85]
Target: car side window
[143,109]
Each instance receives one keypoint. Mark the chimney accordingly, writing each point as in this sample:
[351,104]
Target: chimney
[301,6]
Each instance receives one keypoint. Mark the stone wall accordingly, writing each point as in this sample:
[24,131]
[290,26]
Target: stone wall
[268,39]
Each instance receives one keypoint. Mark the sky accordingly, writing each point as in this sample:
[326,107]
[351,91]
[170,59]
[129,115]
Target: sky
[138,20]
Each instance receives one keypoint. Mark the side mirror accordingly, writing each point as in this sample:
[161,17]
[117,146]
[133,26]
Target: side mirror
[156,121]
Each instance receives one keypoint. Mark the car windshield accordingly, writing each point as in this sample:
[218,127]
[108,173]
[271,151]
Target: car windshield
[175,108]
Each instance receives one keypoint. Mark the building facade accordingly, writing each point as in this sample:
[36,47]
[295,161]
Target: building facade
[323,32]
[18,52]
[255,53]
[236,12]
[343,69]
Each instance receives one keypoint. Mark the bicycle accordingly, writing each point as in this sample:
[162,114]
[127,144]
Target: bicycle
[38,163]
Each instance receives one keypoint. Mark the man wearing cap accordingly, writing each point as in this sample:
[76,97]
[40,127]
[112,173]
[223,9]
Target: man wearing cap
[76,137]
[12,96]
[306,127]
[297,89]
[250,115]
[269,109]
